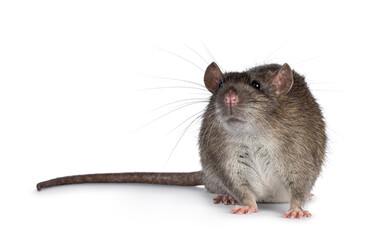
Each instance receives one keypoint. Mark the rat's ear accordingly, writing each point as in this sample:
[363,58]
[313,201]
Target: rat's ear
[212,76]
[283,79]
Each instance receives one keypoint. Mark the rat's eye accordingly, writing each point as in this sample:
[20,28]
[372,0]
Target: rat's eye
[220,84]
[256,84]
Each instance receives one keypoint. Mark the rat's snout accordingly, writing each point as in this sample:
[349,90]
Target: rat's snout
[231,97]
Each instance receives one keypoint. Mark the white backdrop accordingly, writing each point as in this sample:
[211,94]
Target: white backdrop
[76,97]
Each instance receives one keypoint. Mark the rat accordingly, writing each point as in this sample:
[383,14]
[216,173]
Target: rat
[262,139]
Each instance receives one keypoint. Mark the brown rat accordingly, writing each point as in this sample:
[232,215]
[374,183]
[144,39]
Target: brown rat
[262,139]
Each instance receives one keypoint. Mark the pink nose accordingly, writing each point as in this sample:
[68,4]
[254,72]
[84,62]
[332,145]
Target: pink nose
[231,97]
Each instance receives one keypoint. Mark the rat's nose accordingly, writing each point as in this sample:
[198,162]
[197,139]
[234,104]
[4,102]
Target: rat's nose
[231,97]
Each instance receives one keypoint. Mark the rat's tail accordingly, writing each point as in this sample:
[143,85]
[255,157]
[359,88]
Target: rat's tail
[180,179]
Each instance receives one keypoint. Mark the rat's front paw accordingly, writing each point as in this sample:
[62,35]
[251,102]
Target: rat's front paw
[297,213]
[244,210]
[225,199]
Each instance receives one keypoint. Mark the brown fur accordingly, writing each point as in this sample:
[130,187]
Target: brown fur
[288,129]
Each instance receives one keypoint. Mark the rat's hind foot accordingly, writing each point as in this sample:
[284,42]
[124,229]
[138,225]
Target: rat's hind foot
[225,199]
[297,213]
[244,210]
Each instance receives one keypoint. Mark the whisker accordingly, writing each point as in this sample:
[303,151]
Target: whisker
[182,135]
[305,60]
[209,127]
[256,116]
[178,80]
[172,87]
[175,146]
[204,93]
[208,51]
[260,116]
[312,82]
[164,115]
[174,54]
[274,119]
[326,90]
[194,100]
[198,113]
[200,93]
[197,54]
[271,54]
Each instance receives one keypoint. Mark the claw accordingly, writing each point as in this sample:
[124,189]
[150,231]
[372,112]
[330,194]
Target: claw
[244,210]
[297,213]
[225,199]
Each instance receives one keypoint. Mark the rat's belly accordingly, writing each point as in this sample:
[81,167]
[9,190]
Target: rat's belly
[267,184]
[259,169]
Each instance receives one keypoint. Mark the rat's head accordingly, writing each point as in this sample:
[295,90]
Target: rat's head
[243,102]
